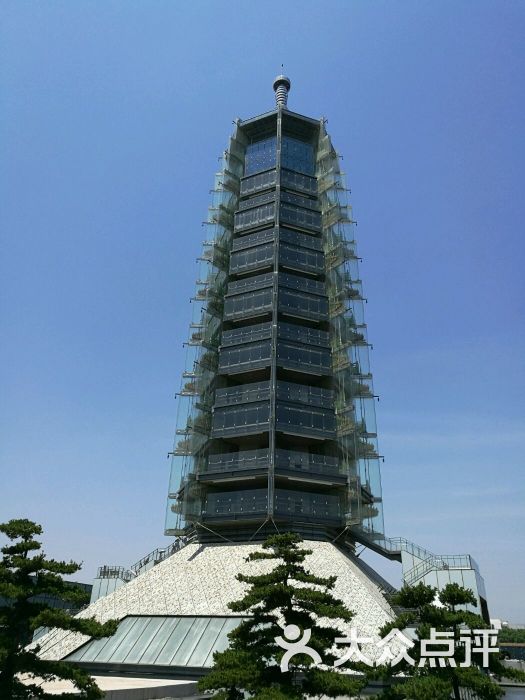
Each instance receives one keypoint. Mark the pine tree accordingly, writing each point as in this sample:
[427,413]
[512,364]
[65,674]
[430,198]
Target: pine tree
[25,581]
[441,683]
[287,595]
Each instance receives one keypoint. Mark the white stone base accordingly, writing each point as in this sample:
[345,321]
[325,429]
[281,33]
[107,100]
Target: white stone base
[200,580]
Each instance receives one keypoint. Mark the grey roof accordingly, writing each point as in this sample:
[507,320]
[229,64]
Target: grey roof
[187,641]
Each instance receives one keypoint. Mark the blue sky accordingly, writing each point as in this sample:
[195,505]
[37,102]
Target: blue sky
[113,117]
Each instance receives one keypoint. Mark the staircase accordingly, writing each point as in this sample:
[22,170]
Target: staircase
[392,547]
[147,562]
[438,563]
[158,555]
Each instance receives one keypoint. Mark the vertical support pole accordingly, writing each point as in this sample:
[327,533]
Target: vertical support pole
[275,304]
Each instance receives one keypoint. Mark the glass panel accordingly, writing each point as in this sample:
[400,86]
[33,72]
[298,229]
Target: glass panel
[175,641]
[365,416]
[305,420]
[236,502]
[253,239]
[157,645]
[240,420]
[245,357]
[255,217]
[177,467]
[303,305]
[206,642]
[260,156]
[297,181]
[315,360]
[90,650]
[358,312]
[245,260]
[256,201]
[259,182]
[244,393]
[300,200]
[125,628]
[191,641]
[302,283]
[222,642]
[370,476]
[301,239]
[246,334]
[249,304]
[301,259]
[303,334]
[322,506]
[147,635]
[367,448]
[171,517]
[372,518]
[297,216]
[244,459]
[361,358]
[251,283]
[305,461]
[303,393]
[127,644]
[297,155]
[345,332]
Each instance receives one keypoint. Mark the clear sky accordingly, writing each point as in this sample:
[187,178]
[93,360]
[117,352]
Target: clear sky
[113,116]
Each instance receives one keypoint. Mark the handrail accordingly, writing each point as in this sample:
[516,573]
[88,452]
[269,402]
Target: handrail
[440,563]
[411,547]
[393,546]
[160,554]
[428,560]
[156,556]
[396,545]
[108,571]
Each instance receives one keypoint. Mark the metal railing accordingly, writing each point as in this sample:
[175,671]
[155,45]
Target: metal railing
[394,545]
[120,572]
[158,555]
[148,561]
[439,563]
[232,461]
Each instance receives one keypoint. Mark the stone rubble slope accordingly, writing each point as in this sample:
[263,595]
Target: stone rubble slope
[200,580]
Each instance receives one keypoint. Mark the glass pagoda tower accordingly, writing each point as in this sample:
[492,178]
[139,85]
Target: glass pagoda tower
[276,422]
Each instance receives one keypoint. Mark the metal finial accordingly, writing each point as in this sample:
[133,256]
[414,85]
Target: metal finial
[281,86]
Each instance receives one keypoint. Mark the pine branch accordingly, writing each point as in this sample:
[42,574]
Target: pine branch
[26,582]
[287,595]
